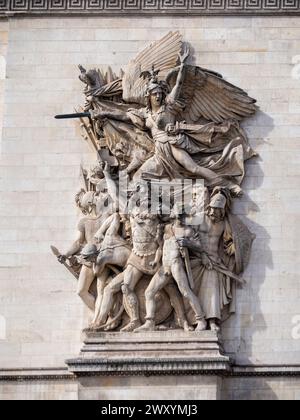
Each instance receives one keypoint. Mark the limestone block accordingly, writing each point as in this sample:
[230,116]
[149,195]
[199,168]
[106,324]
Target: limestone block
[155,388]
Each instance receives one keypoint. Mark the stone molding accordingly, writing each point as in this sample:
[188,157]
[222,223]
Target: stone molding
[35,374]
[57,374]
[152,7]
[265,370]
[137,354]
[165,367]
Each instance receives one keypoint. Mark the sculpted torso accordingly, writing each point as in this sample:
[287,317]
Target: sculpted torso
[156,122]
[210,234]
[90,226]
[171,249]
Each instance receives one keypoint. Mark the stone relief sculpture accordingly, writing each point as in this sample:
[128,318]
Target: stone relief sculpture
[143,262]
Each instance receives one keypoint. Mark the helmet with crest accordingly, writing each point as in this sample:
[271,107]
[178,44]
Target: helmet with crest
[154,84]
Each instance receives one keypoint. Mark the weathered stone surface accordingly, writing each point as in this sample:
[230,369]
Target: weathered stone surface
[165,353]
[179,388]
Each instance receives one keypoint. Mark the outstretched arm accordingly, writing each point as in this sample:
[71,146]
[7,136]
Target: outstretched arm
[174,95]
[115,115]
[74,248]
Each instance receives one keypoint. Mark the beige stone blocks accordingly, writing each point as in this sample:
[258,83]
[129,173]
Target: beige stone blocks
[261,389]
[34,390]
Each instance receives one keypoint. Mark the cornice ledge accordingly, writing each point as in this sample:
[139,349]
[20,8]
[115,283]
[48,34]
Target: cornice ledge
[136,369]
[15,8]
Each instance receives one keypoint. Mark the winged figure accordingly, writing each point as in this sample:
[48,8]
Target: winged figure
[185,118]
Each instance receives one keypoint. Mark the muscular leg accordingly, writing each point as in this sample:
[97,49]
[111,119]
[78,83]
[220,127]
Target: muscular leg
[115,313]
[188,163]
[177,303]
[101,283]
[157,283]
[84,283]
[151,166]
[131,277]
[103,273]
[120,256]
[107,301]
[101,264]
[210,176]
[180,277]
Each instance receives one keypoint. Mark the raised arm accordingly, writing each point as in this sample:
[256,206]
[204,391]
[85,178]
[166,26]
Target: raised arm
[119,198]
[174,95]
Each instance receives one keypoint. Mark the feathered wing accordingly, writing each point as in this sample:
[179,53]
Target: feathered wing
[206,94]
[163,54]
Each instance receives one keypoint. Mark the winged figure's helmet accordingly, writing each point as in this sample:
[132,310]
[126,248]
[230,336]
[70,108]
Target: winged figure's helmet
[154,84]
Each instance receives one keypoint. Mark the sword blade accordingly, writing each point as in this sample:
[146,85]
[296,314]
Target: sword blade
[56,252]
[75,115]
[188,268]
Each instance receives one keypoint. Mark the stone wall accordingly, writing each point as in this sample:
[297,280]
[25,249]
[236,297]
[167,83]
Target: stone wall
[39,390]
[39,174]
[3,49]
[261,389]
[153,388]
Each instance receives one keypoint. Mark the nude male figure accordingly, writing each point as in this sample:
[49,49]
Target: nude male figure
[173,270]
[86,230]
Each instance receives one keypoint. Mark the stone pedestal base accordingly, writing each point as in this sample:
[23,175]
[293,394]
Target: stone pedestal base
[157,365]
[167,352]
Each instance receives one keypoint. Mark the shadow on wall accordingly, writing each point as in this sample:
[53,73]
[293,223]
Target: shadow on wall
[247,388]
[238,330]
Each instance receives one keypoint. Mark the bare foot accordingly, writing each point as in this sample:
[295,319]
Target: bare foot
[202,325]
[148,326]
[112,326]
[133,325]
[187,327]
[94,325]
[236,191]
[214,326]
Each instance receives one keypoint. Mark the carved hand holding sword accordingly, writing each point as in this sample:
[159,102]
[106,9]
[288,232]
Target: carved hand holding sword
[62,260]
